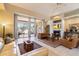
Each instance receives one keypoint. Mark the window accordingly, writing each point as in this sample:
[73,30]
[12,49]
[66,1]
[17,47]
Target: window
[22,18]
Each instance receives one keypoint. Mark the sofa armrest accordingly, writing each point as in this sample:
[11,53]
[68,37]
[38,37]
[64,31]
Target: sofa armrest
[38,52]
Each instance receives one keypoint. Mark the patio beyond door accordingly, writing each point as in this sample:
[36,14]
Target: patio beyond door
[25,27]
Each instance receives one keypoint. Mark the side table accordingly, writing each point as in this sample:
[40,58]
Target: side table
[28,46]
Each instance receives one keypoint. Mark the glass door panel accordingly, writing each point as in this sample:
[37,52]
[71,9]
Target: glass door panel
[23,29]
[32,29]
[39,26]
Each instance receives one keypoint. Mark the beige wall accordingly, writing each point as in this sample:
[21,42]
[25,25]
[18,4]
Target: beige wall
[67,22]
[2,6]
[7,16]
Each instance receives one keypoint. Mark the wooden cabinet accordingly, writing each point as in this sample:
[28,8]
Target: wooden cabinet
[43,35]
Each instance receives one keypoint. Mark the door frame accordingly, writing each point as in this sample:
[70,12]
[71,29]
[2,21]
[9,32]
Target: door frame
[15,23]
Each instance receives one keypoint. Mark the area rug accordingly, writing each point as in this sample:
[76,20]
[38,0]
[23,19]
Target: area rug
[22,50]
[51,43]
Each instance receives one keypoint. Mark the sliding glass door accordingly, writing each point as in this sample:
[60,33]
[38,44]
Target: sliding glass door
[23,29]
[32,27]
[25,26]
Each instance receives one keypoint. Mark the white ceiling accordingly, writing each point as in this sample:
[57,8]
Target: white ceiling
[48,9]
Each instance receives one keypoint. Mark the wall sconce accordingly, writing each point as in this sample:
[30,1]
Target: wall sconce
[3,24]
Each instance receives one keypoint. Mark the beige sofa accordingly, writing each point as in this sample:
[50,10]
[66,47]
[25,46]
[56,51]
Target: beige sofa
[70,44]
[8,50]
[38,52]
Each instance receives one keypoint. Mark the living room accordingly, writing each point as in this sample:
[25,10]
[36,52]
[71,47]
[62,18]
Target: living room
[29,30]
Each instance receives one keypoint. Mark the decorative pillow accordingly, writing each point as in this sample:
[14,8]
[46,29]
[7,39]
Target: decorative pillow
[70,39]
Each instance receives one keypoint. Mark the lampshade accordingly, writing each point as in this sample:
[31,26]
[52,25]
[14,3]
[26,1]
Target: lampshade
[3,24]
[57,18]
